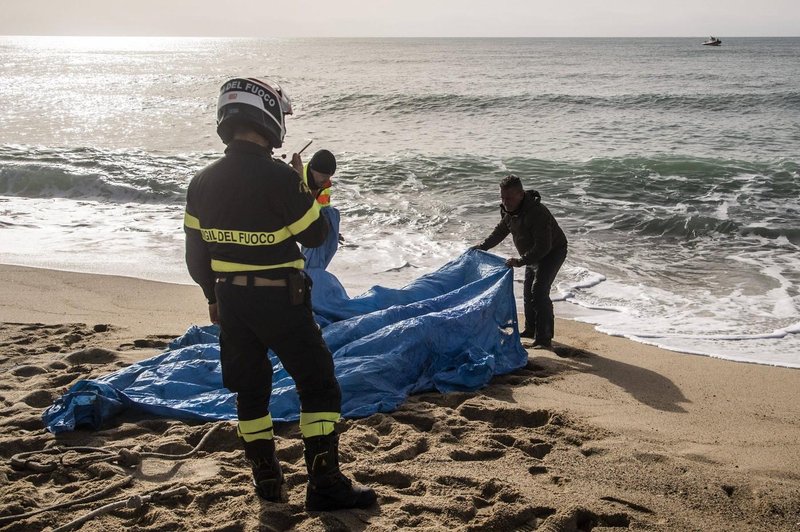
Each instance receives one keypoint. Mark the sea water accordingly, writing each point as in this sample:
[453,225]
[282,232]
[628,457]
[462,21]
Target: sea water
[674,168]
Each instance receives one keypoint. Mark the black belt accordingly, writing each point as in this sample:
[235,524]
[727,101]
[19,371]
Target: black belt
[251,280]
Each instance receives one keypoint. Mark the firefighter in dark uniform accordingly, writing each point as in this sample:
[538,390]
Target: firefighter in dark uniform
[542,246]
[245,215]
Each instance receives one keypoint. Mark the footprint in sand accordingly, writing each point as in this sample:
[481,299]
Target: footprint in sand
[531,373]
[458,482]
[537,470]
[476,455]
[533,447]
[159,341]
[504,417]
[361,440]
[393,478]
[28,371]
[577,518]
[382,424]
[504,439]
[395,442]
[92,355]
[31,422]
[592,451]
[38,399]
[449,400]
[64,379]
[502,507]
[651,458]
[479,505]
[406,450]
[421,421]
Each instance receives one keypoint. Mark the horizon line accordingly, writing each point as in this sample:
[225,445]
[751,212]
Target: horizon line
[404,36]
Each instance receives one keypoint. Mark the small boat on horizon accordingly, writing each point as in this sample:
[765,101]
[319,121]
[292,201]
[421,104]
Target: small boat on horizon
[712,41]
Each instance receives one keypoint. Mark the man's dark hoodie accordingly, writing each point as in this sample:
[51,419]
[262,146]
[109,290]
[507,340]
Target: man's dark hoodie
[534,230]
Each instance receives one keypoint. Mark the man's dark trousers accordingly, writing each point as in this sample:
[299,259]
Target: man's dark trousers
[256,319]
[539,279]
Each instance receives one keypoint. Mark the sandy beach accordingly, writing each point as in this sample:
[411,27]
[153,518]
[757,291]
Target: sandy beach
[601,434]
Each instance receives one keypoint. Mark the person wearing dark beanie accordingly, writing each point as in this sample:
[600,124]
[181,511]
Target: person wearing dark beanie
[317,175]
[323,162]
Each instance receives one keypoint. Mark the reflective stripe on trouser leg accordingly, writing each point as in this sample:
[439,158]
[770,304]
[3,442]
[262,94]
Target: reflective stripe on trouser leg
[318,423]
[255,429]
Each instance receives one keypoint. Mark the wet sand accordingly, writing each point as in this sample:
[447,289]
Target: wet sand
[601,434]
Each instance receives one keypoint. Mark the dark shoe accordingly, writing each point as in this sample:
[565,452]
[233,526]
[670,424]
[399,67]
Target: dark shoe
[337,493]
[543,344]
[267,473]
[328,489]
[268,481]
[526,334]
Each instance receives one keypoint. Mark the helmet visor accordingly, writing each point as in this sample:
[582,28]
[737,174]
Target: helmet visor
[283,98]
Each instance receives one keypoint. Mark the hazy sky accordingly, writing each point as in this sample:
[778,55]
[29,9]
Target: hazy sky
[400,18]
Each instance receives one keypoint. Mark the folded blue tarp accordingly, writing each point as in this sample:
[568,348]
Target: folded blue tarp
[450,330]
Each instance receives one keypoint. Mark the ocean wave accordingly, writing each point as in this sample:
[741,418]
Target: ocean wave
[690,227]
[672,196]
[790,234]
[742,102]
[83,173]
[658,196]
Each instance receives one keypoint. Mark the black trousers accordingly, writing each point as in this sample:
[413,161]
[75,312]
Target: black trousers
[536,294]
[254,319]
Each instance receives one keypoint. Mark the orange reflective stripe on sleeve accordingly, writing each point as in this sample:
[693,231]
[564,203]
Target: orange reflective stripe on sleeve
[324,197]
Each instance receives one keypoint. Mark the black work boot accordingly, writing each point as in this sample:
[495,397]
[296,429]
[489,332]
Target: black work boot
[267,474]
[328,489]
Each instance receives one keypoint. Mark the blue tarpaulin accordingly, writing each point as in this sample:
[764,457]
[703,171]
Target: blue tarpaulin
[320,257]
[452,329]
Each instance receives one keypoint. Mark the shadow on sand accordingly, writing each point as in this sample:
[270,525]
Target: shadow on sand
[646,386]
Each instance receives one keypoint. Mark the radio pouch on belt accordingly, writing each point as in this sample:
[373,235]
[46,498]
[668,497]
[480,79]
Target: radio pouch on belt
[297,288]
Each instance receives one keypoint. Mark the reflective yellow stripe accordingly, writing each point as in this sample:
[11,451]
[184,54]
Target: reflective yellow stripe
[227,267]
[308,218]
[255,429]
[245,238]
[318,423]
[190,221]
[253,238]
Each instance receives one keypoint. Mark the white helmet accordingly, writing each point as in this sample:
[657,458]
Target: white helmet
[254,103]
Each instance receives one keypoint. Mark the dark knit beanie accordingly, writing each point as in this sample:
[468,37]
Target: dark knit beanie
[323,162]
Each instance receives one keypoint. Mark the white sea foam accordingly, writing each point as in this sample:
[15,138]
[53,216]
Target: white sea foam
[129,239]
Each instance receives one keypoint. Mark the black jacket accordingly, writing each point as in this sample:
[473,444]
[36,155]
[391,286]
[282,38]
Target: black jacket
[534,230]
[246,212]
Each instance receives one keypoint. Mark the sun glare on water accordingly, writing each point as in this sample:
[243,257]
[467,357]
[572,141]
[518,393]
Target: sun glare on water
[101,44]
